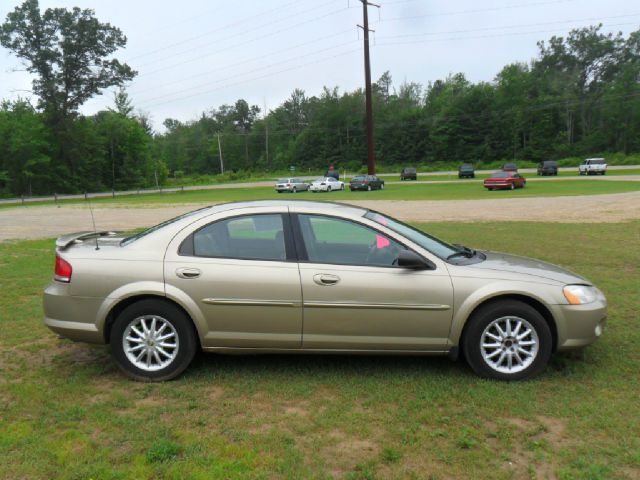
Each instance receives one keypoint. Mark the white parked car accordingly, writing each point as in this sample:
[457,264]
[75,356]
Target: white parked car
[593,166]
[326,184]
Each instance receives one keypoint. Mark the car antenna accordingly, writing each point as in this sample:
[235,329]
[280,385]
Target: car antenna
[93,220]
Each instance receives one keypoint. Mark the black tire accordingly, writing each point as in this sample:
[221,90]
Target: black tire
[328,189]
[486,315]
[186,339]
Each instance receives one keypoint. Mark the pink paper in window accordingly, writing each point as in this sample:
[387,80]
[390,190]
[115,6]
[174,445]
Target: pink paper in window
[382,242]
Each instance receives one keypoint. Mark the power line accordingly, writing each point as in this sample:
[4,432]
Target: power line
[260,68]
[252,59]
[255,78]
[479,10]
[218,29]
[509,26]
[476,37]
[217,52]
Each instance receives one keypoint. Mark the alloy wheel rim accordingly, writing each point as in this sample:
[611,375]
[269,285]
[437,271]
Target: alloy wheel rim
[509,344]
[150,342]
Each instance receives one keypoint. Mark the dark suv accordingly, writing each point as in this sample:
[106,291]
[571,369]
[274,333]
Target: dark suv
[548,167]
[408,174]
[466,170]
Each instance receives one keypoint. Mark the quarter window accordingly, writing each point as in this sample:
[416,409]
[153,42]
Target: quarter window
[337,241]
[258,237]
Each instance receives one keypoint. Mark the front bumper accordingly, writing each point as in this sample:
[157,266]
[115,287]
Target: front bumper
[72,317]
[580,325]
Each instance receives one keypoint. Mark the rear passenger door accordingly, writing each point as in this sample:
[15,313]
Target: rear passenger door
[242,274]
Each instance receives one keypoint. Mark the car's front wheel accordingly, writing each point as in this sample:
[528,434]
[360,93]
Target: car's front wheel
[507,340]
[153,341]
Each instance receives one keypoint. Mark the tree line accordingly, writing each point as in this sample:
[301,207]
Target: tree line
[580,95]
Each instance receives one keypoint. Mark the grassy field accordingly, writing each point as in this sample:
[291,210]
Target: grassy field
[66,412]
[462,190]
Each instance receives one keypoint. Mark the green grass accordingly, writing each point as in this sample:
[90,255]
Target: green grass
[66,412]
[460,190]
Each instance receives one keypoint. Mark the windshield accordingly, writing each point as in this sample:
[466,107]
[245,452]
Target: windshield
[501,175]
[358,178]
[432,244]
[146,232]
[283,180]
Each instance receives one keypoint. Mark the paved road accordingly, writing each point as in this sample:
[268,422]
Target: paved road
[11,201]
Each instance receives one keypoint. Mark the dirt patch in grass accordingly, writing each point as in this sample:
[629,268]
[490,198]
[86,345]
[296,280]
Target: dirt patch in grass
[535,447]
[51,221]
[345,454]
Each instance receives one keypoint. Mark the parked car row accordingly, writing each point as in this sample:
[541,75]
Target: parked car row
[329,184]
[506,178]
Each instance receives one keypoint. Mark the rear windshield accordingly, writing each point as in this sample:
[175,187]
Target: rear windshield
[146,232]
[359,177]
[409,170]
[598,161]
[549,163]
[501,175]
[283,180]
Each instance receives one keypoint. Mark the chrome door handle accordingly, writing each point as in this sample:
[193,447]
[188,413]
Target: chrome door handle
[188,272]
[325,279]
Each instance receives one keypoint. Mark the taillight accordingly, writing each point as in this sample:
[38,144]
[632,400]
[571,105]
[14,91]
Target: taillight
[63,270]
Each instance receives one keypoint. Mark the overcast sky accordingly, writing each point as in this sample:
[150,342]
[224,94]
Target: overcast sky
[193,55]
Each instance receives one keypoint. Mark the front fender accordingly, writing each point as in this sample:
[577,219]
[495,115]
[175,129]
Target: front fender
[493,290]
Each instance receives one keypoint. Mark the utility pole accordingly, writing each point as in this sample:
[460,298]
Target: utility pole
[220,154]
[371,156]
[266,128]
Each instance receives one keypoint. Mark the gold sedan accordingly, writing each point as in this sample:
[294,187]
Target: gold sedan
[298,276]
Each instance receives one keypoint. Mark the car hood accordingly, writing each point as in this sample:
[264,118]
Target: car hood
[503,262]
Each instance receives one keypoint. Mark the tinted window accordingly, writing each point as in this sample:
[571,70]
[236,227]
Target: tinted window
[599,161]
[501,175]
[249,237]
[359,178]
[432,244]
[333,240]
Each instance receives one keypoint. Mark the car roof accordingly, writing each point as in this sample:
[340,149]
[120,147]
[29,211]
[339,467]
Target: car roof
[311,205]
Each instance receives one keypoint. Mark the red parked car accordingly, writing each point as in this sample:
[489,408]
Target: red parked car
[502,179]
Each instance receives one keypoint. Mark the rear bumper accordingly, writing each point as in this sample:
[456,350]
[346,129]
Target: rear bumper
[72,317]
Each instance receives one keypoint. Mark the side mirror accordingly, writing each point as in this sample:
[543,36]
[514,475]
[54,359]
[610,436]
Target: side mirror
[413,261]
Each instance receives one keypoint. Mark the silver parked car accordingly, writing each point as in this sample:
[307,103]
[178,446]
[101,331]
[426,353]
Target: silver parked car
[292,185]
[292,277]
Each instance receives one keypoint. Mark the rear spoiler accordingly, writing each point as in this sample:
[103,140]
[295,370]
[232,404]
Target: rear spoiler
[78,237]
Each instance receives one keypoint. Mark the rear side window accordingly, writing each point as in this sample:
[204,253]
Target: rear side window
[258,237]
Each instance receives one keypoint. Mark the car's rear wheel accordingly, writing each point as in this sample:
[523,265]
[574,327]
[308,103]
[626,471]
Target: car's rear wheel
[328,189]
[153,341]
[507,340]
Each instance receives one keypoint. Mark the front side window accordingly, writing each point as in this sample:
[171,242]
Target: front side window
[432,244]
[259,237]
[336,241]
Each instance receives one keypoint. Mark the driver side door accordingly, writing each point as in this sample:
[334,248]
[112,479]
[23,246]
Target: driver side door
[356,298]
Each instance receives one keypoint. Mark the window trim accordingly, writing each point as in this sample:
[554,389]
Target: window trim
[187,246]
[303,256]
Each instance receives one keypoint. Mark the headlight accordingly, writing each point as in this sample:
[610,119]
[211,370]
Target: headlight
[579,294]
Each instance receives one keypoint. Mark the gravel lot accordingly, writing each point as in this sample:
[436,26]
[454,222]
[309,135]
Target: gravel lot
[51,221]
